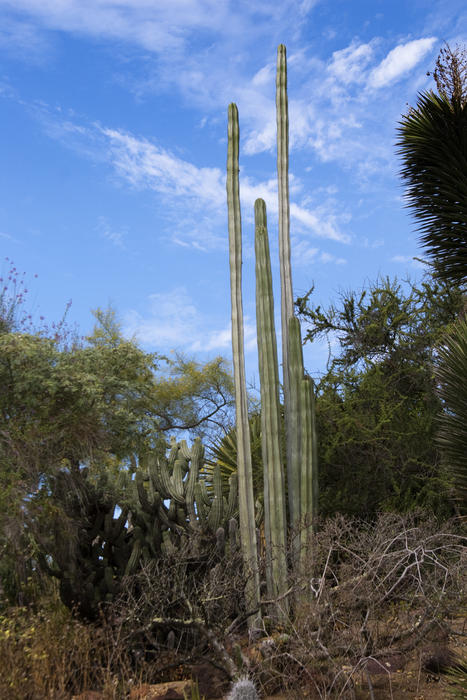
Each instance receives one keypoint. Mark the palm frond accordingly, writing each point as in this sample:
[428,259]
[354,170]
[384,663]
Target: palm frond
[452,437]
[223,452]
[433,146]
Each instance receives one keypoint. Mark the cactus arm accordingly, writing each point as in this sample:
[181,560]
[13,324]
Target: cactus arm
[306,485]
[282,121]
[197,453]
[142,493]
[232,503]
[134,557]
[203,494]
[233,535]
[245,478]
[201,506]
[294,453]
[176,481]
[282,118]
[314,449]
[184,449]
[216,511]
[291,395]
[159,473]
[274,490]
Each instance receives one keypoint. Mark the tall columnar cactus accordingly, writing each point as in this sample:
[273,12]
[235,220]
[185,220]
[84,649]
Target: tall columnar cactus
[245,478]
[285,266]
[298,388]
[274,487]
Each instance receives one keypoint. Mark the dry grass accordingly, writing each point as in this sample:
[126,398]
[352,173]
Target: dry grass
[373,599]
[48,654]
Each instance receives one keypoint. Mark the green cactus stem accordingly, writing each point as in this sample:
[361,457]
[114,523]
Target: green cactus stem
[282,120]
[303,466]
[294,414]
[245,478]
[274,487]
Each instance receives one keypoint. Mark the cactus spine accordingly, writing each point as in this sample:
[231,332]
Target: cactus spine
[274,487]
[243,689]
[245,478]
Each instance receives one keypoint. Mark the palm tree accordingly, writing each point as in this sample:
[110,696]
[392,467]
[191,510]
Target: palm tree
[432,144]
[223,452]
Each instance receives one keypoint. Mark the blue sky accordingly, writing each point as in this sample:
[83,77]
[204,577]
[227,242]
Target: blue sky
[113,144]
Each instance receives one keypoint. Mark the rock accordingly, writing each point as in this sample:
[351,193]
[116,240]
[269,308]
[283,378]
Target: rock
[212,682]
[173,690]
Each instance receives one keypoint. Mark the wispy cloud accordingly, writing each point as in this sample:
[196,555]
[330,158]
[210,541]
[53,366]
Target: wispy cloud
[305,255]
[400,61]
[5,235]
[202,48]
[161,27]
[173,322]
[408,260]
[348,65]
[106,231]
[145,165]
[23,40]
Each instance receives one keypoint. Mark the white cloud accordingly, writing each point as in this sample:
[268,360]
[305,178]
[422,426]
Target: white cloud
[323,223]
[408,260]
[106,231]
[144,164]
[156,26]
[22,39]
[203,49]
[400,61]
[348,65]
[304,255]
[173,322]
[171,319]
[372,243]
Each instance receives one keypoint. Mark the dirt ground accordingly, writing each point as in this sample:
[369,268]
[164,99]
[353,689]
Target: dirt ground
[399,677]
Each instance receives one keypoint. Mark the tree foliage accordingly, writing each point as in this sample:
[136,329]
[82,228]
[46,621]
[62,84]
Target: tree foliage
[99,403]
[377,402]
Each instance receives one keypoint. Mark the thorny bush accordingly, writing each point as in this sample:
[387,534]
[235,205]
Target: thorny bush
[371,593]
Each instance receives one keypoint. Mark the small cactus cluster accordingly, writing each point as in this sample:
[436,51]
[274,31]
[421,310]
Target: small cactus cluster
[243,689]
[174,505]
[166,507]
